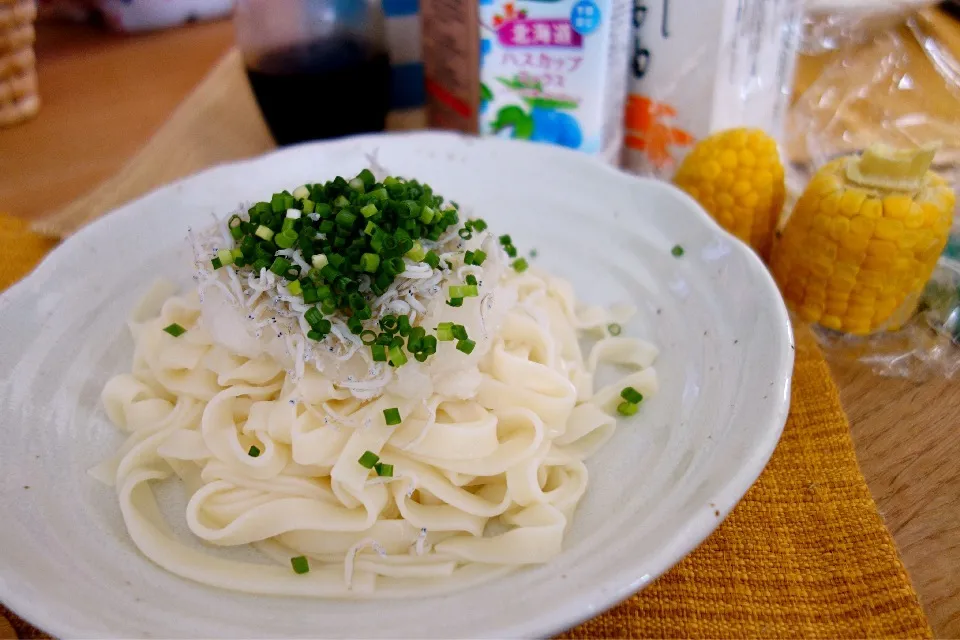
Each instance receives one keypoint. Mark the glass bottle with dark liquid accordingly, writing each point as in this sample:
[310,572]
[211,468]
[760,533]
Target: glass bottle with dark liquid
[318,68]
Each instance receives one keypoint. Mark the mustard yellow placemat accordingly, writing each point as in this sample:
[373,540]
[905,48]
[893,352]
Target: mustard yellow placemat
[805,554]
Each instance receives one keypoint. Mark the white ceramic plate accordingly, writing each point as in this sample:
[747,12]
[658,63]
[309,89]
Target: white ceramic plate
[663,483]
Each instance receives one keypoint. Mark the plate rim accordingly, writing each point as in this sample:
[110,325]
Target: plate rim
[615,587]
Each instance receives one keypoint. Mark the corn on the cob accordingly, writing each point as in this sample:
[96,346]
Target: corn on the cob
[737,177]
[863,240]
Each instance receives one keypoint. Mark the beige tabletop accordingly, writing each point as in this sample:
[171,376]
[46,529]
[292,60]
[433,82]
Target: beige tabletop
[104,96]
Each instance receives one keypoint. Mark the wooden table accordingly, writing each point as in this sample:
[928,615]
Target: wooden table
[105,95]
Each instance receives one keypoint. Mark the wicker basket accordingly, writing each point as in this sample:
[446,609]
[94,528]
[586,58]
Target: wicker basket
[19,99]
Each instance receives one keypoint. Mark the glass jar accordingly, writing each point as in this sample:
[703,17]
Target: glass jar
[318,68]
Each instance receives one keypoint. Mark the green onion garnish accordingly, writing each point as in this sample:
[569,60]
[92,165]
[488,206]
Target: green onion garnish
[389,323]
[391,416]
[295,288]
[254,451]
[631,395]
[226,256]
[520,265]
[384,470]
[379,352]
[627,408]
[175,330]
[216,264]
[677,251]
[300,565]
[479,257]
[368,337]
[506,240]
[455,302]
[614,329]
[264,232]
[459,332]
[397,358]
[471,279]
[466,346]
[368,459]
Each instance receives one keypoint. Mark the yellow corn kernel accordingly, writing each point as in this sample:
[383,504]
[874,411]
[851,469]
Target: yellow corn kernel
[736,175]
[863,239]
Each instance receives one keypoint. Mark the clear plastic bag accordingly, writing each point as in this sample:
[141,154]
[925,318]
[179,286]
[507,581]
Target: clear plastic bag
[900,87]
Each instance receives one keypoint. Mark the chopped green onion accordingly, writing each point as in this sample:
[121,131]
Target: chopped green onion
[301,192]
[464,291]
[427,215]
[403,326]
[357,185]
[444,335]
[309,206]
[677,251]
[627,408]
[379,353]
[479,257]
[300,565]
[429,345]
[369,262]
[313,316]
[511,250]
[264,232]
[506,240]
[384,470]
[432,259]
[368,337]
[216,264]
[421,356]
[280,266]
[631,395]
[389,323]
[614,329]
[368,459]
[455,302]
[369,210]
[226,256]
[295,288]
[466,346]
[391,416]
[236,253]
[397,358]
[459,332]
[286,239]
[254,451]
[417,253]
[478,224]
[471,279]
[175,330]
[367,178]
[465,233]
[313,334]
[345,219]
[520,265]
[328,306]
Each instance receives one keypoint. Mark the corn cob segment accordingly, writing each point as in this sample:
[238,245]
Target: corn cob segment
[736,175]
[863,239]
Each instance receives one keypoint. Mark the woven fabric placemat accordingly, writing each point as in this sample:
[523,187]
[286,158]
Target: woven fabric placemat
[805,553]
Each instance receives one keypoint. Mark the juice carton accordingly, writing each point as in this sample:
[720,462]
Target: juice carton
[703,65]
[550,71]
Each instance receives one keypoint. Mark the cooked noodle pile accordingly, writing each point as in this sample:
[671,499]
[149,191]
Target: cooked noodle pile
[267,430]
